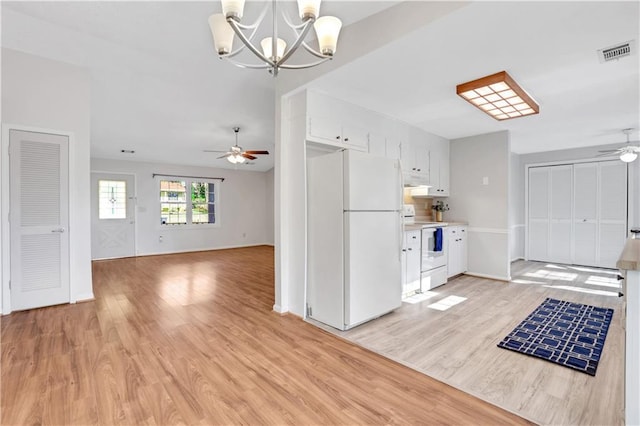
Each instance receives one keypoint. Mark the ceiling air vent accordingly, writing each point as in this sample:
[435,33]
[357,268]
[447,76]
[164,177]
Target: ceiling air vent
[616,52]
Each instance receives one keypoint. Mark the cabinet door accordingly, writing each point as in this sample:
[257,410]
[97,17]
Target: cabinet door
[377,145]
[412,246]
[463,250]
[421,152]
[355,136]
[325,129]
[406,157]
[392,148]
[439,167]
[453,255]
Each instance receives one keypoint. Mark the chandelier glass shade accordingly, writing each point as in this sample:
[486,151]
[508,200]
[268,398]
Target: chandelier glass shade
[227,25]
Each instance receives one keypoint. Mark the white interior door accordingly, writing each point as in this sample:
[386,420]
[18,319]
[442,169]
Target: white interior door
[112,215]
[39,219]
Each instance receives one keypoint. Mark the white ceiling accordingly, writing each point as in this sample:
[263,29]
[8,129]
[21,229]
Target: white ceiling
[158,87]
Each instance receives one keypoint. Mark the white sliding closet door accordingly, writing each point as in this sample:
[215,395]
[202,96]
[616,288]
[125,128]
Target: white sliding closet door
[578,213]
[613,212]
[561,213]
[539,201]
[550,213]
[585,241]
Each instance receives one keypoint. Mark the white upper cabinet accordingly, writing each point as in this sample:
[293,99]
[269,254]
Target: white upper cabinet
[415,157]
[335,122]
[439,166]
[383,137]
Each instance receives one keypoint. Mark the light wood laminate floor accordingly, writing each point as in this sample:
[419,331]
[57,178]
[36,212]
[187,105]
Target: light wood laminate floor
[191,338]
[458,345]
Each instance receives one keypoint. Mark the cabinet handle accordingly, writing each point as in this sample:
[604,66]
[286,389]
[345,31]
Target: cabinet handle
[404,249]
[409,249]
[338,137]
[419,169]
[346,139]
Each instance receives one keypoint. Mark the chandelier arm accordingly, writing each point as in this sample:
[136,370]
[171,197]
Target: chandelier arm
[250,66]
[298,42]
[285,16]
[258,21]
[247,42]
[254,29]
[313,51]
[303,66]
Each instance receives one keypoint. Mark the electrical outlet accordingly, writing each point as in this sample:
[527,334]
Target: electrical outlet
[160,238]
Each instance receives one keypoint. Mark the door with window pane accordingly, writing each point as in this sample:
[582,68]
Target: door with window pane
[112,215]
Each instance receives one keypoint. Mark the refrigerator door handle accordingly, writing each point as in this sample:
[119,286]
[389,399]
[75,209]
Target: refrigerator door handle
[400,234]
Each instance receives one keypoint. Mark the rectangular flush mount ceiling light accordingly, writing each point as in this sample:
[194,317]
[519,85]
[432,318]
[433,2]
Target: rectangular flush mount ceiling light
[499,96]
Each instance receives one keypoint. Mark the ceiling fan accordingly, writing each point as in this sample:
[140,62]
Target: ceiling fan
[628,152]
[236,154]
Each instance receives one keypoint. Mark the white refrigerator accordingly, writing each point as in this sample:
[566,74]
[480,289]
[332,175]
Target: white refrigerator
[354,238]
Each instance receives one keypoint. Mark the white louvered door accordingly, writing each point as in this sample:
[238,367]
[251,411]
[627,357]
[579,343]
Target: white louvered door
[39,219]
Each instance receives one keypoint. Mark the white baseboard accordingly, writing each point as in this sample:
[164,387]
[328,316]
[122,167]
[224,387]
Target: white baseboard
[83,297]
[491,277]
[279,309]
[159,253]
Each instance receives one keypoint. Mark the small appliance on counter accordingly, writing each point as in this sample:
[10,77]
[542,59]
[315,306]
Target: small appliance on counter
[408,214]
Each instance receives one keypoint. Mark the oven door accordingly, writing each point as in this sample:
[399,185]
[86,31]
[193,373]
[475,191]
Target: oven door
[432,259]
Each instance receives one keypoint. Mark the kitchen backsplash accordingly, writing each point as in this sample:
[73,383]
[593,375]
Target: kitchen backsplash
[422,205]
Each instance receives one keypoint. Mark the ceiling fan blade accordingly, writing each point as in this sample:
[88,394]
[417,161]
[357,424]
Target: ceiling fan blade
[608,154]
[212,150]
[226,155]
[609,150]
[250,157]
[257,152]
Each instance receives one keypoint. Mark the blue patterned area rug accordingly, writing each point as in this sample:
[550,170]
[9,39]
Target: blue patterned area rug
[569,334]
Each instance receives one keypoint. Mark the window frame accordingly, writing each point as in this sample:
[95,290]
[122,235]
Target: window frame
[189,203]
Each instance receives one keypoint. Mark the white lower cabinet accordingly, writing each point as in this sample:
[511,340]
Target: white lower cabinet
[411,262]
[457,256]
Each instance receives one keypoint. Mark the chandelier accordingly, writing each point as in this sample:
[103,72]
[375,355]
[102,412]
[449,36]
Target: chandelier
[228,23]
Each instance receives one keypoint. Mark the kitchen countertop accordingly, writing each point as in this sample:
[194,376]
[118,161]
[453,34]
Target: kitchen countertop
[418,225]
[630,257]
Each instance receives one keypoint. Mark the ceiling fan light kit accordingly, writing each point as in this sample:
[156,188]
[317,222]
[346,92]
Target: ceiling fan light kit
[499,96]
[224,26]
[628,153]
[236,155]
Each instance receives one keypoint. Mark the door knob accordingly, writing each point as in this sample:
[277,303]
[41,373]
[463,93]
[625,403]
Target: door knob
[60,230]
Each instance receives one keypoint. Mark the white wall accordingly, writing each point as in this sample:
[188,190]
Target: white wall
[516,208]
[244,215]
[269,193]
[484,206]
[42,93]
